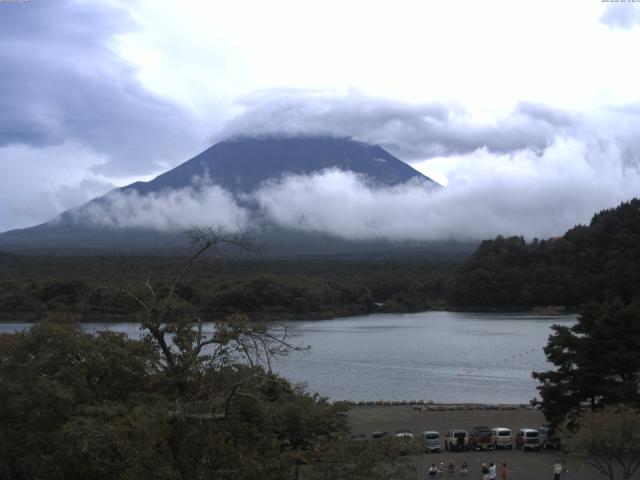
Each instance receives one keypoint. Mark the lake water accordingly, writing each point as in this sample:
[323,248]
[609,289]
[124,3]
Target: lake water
[439,356]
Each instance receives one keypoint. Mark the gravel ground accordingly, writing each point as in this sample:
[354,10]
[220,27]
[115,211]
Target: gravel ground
[530,465]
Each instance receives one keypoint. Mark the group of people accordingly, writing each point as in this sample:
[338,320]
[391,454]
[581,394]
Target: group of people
[489,472]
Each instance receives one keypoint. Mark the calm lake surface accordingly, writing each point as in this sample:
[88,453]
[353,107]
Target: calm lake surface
[439,356]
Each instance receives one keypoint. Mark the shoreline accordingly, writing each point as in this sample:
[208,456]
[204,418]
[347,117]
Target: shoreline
[115,319]
[430,406]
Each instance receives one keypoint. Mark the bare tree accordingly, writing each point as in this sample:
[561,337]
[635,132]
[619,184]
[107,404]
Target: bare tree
[178,331]
[609,441]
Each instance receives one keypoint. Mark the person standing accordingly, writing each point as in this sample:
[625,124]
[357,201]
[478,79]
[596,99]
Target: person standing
[492,471]
[485,471]
[433,471]
[557,470]
[504,472]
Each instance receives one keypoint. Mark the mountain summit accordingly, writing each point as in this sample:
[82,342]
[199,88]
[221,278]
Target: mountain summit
[241,165]
[237,167]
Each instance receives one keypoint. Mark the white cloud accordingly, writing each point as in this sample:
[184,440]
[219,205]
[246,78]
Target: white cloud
[485,55]
[407,130]
[168,211]
[621,15]
[38,183]
[524,193]
[529,193]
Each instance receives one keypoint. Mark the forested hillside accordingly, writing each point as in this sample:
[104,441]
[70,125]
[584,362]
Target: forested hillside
[588,263]
[31,286]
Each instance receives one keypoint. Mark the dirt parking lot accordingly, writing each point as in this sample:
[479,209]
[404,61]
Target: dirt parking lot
[523,465]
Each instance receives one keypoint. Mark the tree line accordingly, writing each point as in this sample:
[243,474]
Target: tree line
[31,286]
[597,262]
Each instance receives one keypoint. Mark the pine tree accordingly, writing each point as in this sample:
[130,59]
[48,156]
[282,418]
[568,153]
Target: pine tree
[597,362]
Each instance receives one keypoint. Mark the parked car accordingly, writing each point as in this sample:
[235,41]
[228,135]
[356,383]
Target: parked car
[379,435]
[358,436]
[480,438]
[528,439]
[501,438]
[432,442]
[456,440]
[548,438]
[405,441]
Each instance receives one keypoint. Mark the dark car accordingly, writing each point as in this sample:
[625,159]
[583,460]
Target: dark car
[456,440]
[480,438]
[548,438]
[379,435]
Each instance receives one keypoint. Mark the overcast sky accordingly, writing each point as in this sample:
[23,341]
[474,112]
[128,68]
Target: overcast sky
[525,109]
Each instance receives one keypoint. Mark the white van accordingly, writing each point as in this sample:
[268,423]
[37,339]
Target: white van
[528,439]
[501,438]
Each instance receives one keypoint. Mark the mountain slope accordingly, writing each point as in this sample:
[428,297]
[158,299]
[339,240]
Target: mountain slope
[241,165]
[238,166]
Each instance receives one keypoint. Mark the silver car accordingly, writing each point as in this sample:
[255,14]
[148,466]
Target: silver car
[432,441]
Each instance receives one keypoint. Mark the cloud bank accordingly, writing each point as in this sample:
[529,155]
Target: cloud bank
[169,211]
[515,194]
[75,121]
[62,82]
[408,130]
[98,94]
[524,193]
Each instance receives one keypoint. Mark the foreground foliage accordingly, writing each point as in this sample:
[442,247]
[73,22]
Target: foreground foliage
[76,405]
[180,403]
[609,441]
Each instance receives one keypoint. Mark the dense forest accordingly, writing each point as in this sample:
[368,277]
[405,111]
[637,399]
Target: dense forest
[597,262]
[264,288]
[588,263]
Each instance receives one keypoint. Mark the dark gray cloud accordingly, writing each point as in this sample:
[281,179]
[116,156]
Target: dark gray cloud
[61,82]
[551,116]
[621,15]
[410,131]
